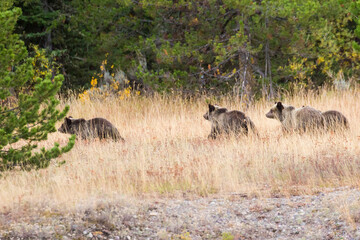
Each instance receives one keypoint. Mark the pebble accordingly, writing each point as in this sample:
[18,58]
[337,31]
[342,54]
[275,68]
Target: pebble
[153,214]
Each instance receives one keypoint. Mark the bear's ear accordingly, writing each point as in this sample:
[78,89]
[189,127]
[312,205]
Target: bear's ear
[68,121]
[279,106]
[211,108]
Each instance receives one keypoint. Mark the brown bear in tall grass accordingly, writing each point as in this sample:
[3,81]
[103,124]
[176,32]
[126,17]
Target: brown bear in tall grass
[335,120]
[297,119]
[93,128]
[225,121]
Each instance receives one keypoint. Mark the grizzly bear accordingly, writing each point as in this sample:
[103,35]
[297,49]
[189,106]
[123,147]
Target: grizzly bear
[300,120]
[96,127]
[227,122]
[335,120]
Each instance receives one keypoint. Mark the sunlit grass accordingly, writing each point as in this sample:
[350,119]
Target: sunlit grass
[167,153]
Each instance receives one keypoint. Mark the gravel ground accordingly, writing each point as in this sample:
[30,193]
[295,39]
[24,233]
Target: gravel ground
[229,217]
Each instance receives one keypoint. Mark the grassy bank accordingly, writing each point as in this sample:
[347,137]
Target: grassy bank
[167,152]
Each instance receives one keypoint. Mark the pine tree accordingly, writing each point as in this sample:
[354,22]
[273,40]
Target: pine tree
[31,114]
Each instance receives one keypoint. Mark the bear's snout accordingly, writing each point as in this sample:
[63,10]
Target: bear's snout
[269,115]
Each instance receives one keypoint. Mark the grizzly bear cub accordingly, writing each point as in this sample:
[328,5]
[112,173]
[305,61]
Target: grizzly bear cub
[225,121]
[301,119]
[96,127]
[335,120]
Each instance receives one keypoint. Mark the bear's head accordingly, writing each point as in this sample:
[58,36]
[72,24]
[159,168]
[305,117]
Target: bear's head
[214,111]
[211,109]
[71,125]
[276,112]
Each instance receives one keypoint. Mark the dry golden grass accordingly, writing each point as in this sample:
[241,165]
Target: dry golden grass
[167,152]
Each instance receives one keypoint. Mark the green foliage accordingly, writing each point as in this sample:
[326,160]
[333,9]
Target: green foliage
[227,236]
[218,46]
[28,104]
[355,10]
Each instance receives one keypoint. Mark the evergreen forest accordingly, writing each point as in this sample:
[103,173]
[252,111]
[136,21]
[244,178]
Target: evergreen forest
[248,48]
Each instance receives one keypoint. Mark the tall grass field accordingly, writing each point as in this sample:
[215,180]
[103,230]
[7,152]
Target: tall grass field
[167,154]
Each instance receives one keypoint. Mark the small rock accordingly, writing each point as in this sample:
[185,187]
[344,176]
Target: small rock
[74,227]
[153,213]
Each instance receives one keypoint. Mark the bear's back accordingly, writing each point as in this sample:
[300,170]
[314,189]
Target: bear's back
[335,119]
[308,118]
[103,129]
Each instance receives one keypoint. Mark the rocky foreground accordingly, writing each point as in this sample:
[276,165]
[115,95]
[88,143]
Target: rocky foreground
[333,215]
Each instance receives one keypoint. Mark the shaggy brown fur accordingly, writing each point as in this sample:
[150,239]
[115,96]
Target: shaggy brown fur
[300,120]
[96,127]
[335,120]
[225,121]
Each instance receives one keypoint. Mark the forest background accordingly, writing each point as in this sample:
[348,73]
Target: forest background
[249,48]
